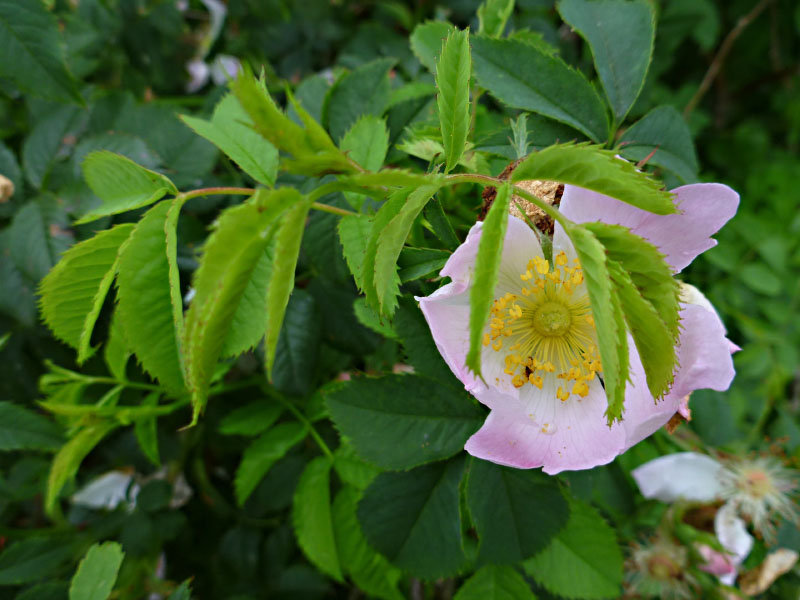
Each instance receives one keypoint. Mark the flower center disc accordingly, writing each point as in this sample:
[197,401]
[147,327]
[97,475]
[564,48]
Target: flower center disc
[552,319]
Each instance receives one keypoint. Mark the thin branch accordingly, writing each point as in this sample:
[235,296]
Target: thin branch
[722,54]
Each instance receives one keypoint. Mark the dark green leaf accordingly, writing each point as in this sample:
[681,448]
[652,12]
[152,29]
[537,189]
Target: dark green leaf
[41,147]
[516,512]
[620,35]
[453,71]
[37,237]
[441,224]
[73,292]
[312,519]
[146,431]
[421,350]
[525,77]
[413,518]
[183,592]
[427,40]
[33,559]
[663,131]
[251,419]
[493,15]
[487,265]
[21,429]
[31,51]
[298,345]
[97,572]
[416,263]
[583,561]
[121,184]
[364,91]
[401,421]
[495,583]
[149,303]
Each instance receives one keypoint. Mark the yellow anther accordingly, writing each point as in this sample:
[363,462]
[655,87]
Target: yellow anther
[561,259]
[496,323]
[508,331]
[567,286]
[540,283]
[555,276]
[526,276]
[526,292]
[509,360]
[518,381]
[561,394]
[515,311]
[486,339]
[514,347]
[577,278]
[497,344]
[542,266]
[548,367]
[590,320]
[577,262]
[581,389]
[535,380]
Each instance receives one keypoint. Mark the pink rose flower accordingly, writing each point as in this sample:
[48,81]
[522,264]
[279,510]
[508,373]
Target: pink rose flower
[540,361]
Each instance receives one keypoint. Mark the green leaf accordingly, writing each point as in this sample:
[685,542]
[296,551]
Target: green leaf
[121,184]
[354,234]
[294,371]
[69,457]
[441,224]
[97,572]
[371,319]
[416,263]
[53,590]
[388,243]
[264,452]
[146,431]
[487,266]
[370,571]
[351,469]
[493,16]
[401,421]
[9,168]
[598,170]
[31,49]
[183,591]
[664,131]
[149,304]
[288,237]
[583,561]
[230,257]
[620,35]
[523,76]
[21,429]
[33,559]
[413,518]
[312,519]
[41,147]
[230,129]
[426,41]
[607,311]
[364,91]
[516,512]
[37,237]
[421,351]
[116,352]
[251,419]
[249,322]
[73,292]
[453,71]
[495,583]
[367,143]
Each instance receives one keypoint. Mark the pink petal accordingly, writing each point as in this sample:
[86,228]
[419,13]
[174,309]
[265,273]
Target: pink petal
[717,563]
[732,533]
[538,430]
[705,207]
[682,476]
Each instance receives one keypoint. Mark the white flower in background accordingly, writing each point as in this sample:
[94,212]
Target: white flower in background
[223,67]
[108,491]
[757,489]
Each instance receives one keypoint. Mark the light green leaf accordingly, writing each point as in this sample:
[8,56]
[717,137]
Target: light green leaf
[608,318]
[146,430]
[620,35]
[493,16]
[21,429]
[523,76]
[390,178]
[354,234]
[428,421]
[353,470]
[264,452]
[97,572]
[390,209]
[230,257]
[370,571]
[121,184]
[595,169]
[312,519]
[371,319]
[427,39]
[453,71]
[389,243]
[487,266]
[149,305]
[664,134]
[416,263]
[288,237]
[73,292]
[69,458]
[251,419]
[413,518]
[249,322]
[116,352]
[516,512]
[367,143]
[364,91]
[495,583]
[31,49]
[230,129]
[583,561]
[33,559]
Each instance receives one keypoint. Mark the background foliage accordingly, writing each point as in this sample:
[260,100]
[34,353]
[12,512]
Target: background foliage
[289,497]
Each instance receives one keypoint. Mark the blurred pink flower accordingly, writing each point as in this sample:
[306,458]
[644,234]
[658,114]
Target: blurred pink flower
[540,361]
